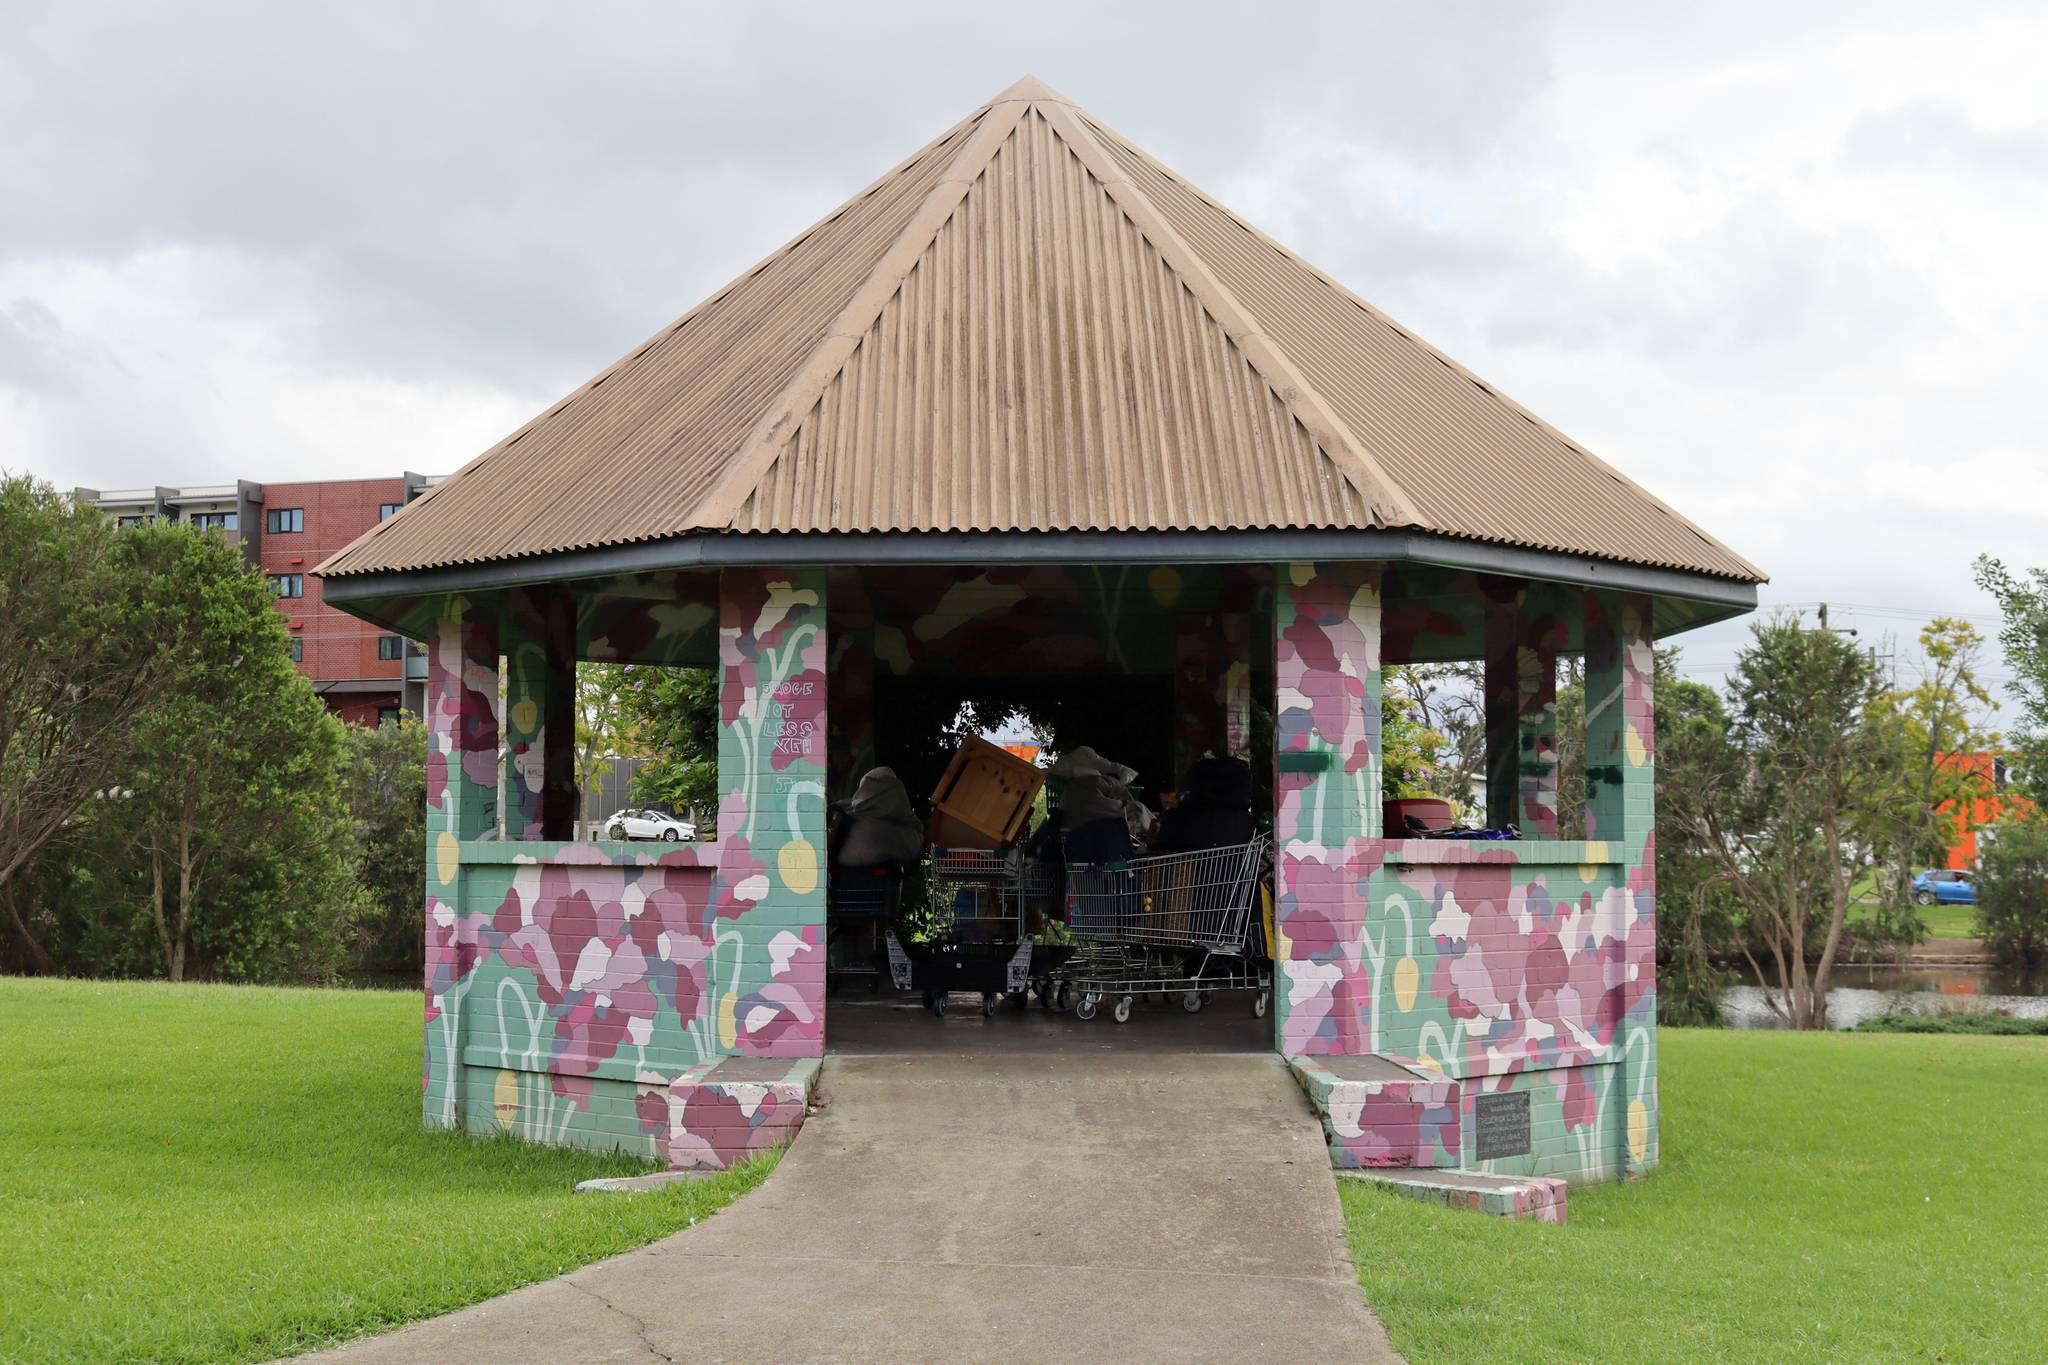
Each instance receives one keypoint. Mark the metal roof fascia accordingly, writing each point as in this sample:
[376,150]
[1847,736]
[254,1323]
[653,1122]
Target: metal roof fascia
[1040,547]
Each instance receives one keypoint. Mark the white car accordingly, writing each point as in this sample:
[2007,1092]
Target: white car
[648,824]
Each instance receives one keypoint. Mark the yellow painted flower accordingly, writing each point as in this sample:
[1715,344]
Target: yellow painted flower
[1638,1130]
[798,864]
[525,716]
[1407,976]
[447,856]
[728,1021]
[505,1099]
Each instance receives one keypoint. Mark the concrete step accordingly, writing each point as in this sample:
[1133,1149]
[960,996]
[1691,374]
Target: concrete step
[1381,1111]
[1538,1198]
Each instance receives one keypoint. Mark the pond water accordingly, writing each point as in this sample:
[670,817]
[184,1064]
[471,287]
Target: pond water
[1857,992]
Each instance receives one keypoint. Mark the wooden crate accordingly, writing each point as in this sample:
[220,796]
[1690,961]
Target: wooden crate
[984,799]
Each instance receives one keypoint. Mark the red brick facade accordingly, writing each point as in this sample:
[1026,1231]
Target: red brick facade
[338,652]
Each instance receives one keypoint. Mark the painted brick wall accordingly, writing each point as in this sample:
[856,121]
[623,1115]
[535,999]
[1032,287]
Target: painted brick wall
[576,992]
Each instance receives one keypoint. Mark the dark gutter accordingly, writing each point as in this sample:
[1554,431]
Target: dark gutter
[358,593]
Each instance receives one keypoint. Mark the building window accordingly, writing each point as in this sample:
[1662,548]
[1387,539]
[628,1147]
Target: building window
[390,646]
[280,520]
[217,521]
[288,584]
[387,715]
[387,510]
[128,521]
[298,650]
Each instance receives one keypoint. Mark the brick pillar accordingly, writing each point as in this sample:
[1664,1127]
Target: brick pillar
[1326,750]
[462,804]
[1620,771]
[769,896]
[540,716]
[1212,687]
[1620,812]
[1501,685]
[1539,634]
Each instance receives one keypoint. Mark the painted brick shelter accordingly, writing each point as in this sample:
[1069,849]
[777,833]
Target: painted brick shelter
[1031,406]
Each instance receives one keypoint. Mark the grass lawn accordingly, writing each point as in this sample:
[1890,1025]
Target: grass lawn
[1942,921]
[198,1173]
[1822,1197]
[1949,921]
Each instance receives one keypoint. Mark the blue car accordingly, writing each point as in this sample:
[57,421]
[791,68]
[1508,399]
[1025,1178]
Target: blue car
[1945,887]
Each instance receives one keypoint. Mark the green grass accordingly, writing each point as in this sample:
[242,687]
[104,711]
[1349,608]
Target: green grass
[199,1173]
[1822,1197]
[1942,921]
[1949,921]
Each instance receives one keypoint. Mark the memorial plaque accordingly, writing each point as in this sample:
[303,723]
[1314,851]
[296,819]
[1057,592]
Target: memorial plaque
[1500,1125]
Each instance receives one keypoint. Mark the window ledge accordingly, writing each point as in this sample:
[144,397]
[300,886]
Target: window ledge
[592,852]
[1522,852]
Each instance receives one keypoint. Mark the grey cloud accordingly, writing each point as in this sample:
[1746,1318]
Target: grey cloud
[1939,133]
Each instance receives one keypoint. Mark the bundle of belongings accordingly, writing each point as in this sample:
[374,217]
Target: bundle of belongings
[1215,808]
[1099,818]
[876,826]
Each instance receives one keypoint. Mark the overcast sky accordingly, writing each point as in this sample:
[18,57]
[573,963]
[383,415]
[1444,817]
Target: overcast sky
[1786,265]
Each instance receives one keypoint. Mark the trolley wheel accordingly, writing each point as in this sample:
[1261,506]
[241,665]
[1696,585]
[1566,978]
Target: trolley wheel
[1192,1002]
[939,1006]
[1084,1010]
[1064,997]
[1122,1011]
[1260,1002]
[1045,992]
[988,1006]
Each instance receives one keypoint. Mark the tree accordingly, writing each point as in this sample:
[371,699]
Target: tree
[1774,802]
[1696,910]
[387,795]
[1421,702]
[2012,893]
[1912,815]
[235,799]
[78,663]
[674,716]
[1411,751]
[2023,601]
[604,720]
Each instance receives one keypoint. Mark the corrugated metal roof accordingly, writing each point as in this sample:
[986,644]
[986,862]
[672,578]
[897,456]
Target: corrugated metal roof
[1032,326]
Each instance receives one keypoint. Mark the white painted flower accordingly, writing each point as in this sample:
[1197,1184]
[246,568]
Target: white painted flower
[752,889]
[590,964]
[781,949]
[1451,922]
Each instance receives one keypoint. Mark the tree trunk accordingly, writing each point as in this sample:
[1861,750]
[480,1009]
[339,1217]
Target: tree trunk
[178,944]
[39,960]
[156,905]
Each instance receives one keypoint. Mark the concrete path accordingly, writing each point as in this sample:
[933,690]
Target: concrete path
[943,1207]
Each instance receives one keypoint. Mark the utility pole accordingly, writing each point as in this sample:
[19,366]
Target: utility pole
[1845,630]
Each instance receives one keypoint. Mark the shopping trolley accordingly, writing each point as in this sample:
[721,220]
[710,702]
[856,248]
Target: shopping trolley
[1185,924]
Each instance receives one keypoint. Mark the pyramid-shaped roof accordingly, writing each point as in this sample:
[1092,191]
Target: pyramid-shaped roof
[1032,326]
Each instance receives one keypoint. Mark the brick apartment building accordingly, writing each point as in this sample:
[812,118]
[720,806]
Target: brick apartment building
[364,674]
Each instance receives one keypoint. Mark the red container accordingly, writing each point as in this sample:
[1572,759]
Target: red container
[1436,815]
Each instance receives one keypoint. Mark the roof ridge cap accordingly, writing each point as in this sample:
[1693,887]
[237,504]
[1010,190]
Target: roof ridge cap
[1338,442]
[720,504]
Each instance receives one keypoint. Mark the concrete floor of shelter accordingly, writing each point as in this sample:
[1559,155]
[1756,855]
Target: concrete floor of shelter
[858,1023]
[1049,1208]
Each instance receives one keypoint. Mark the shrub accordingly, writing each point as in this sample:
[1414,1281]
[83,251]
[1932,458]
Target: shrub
[2012,893]
[1980,1022]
